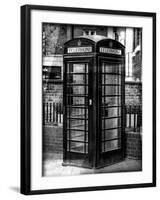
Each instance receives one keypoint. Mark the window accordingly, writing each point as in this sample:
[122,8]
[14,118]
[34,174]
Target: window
[116,33]
[137,37]
[52,73]
[89,32]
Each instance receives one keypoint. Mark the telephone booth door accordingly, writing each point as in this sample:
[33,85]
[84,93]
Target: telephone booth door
[77,99]
[111,112]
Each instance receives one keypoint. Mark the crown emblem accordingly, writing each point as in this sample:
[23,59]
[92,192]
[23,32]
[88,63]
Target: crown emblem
[79,43]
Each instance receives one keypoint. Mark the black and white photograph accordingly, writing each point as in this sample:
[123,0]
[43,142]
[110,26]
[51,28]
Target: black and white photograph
[88,111]
[92,99]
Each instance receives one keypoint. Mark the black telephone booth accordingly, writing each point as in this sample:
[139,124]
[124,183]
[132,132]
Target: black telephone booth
[93,129]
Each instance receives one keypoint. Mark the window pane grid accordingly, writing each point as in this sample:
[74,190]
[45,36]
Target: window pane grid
[77,111]
[86,114]
[110,106]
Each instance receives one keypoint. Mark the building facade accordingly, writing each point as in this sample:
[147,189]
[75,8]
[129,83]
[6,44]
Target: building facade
[54,37]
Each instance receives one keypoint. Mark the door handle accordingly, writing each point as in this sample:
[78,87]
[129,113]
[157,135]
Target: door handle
[90,102]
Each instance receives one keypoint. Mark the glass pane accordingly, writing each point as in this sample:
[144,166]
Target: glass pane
[111,101]
[78,124]
[110,123]
[111,134]
[77,79]
[76,101]
[111,145]
[111,68]
[77,136]
[111,90]
[111,79]
[78,147]
[77,68]
[77,112]
[80,90]
[71,90]
[52,73]
[110,112]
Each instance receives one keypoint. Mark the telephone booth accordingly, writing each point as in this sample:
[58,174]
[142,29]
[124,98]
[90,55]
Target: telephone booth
[94,99]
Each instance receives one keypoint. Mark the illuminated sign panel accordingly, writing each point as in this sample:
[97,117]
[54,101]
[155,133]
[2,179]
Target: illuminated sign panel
[79,49]
[110,51]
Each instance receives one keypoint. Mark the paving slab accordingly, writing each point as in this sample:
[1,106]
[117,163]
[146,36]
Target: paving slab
[52,166]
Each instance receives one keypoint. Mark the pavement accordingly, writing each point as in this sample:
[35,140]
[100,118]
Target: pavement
[52,166]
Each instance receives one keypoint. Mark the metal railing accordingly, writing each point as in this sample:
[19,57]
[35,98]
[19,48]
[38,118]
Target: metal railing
[133,119]
[52,113]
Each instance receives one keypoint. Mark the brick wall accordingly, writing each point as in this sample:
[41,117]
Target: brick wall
[133,97]
[133,145]
[53,142]
[52,139]
[54,93]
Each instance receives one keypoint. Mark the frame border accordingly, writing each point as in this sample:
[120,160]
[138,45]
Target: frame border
[25,143]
